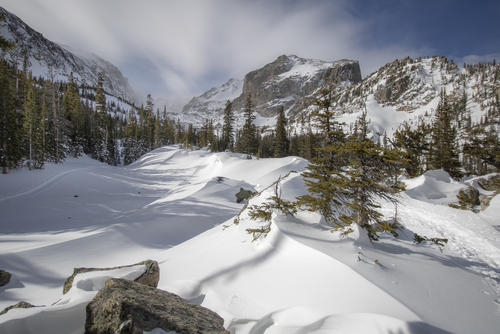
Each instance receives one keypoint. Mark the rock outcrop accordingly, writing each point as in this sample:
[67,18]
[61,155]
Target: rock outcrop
[289,79]
[4,277]
[127,307]
[21,304]
[150,277]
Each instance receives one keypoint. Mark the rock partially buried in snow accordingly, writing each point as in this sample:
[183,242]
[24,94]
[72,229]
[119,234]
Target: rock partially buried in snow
[4,277]
[150,277]
[21,304]
[127,307]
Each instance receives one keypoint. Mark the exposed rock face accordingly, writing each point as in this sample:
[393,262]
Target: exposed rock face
[150,277]
[288,79]
[392,90]
[4,277]
[48,58]
[21,304]
[128,307]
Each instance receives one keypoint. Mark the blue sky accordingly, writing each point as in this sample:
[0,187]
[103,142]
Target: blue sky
[182,47]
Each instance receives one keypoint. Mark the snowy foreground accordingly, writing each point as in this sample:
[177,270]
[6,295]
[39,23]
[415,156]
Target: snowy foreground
[177,207]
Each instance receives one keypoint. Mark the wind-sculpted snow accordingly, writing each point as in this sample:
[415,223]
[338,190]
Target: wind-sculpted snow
[178,207]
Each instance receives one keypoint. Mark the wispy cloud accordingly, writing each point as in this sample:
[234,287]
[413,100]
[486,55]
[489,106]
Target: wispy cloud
[192,45]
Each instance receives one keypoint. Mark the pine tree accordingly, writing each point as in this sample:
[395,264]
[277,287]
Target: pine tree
[73,114]
[443,151]
[324,173]
[101,140]
[227,142]
[415,145]
[10,126]
[280,139]
[33,127]
[248,142]
[369,165]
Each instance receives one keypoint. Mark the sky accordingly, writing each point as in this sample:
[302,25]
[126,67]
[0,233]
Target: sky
[181,48]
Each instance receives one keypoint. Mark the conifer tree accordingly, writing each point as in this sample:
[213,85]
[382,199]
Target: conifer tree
[324,173]
[10,126]
[280,139]
[102,141]
[443,151]
[32,127]
[248,142]
[368,166]
[415,145]
[227,128]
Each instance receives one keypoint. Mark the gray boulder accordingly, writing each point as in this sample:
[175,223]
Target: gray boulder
[127,307]
[468,198]
[4,277]
[150,277]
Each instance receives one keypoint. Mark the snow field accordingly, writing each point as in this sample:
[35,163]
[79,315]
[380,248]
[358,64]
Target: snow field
[177,207]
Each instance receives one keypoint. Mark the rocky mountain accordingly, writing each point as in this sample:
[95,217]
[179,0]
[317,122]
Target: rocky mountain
[409,90]
[289,81]
[50,60]
[403,90]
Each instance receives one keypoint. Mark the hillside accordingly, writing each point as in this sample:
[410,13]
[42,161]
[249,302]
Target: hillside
[55,62]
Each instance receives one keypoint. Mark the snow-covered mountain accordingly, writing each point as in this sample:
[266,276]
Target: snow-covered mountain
[409,90]
[403,90]
[53,61]
[211,103]
[288,81]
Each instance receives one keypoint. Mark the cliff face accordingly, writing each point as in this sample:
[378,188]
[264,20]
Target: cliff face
[290,79]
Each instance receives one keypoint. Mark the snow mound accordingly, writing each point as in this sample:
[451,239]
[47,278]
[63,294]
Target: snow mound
[435,186]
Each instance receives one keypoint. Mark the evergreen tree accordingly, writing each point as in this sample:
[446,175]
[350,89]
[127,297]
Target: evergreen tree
[33,127]
[324,173]
[102,140]
[369,165]
[227,128]
[10,126]
[415,146]
[74,117]
[280,139]
[248,142]
[443,151]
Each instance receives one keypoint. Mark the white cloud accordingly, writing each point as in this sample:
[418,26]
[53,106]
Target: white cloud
[196,44]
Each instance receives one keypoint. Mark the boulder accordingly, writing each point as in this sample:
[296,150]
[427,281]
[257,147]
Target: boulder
[243,195]
[4,277]
[21,304]
[491,183]
[150,277]
[127,307]
[468,198]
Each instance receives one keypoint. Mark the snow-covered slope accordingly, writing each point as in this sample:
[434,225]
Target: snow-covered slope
[178,207]
[53,61]
[210,104]
[409,90]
